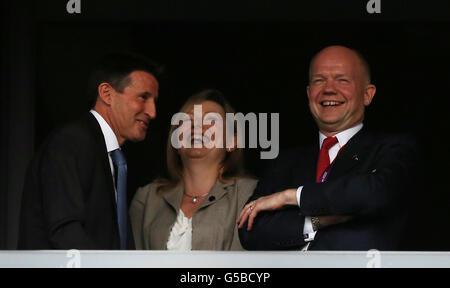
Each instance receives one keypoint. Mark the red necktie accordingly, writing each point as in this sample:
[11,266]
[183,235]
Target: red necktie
[324,159]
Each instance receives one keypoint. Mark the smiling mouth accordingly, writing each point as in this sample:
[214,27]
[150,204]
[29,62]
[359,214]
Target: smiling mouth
[143,123]
[331,103]
[196,140]
[199,139]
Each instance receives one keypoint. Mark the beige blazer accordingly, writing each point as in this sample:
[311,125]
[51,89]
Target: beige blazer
[213,225]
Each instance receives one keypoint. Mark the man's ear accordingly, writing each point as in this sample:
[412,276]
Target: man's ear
[308,91]
[369,93]
[105,92]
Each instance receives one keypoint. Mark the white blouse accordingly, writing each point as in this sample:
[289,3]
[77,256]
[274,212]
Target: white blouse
[180,238]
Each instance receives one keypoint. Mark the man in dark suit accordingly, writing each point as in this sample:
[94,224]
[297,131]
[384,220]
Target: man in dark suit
[75,188]
[348,190]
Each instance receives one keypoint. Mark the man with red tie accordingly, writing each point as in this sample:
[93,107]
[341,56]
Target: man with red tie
[345,192]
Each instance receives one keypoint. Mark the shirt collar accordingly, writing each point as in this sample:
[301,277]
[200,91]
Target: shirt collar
[110,138]
[342,136]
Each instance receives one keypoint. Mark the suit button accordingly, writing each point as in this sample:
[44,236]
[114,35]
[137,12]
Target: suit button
[212,198]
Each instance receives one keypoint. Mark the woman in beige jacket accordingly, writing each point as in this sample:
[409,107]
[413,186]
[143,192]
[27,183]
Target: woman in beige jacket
[197,208]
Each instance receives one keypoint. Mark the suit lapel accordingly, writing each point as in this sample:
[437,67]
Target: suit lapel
[109,188]
[218,191]
[305,171]
[174,196]
[94,126]
[353,153]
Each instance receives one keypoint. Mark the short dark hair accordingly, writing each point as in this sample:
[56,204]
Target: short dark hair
[115,68]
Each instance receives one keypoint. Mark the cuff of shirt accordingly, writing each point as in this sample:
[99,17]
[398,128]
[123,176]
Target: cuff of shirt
[308,231]
[299,193]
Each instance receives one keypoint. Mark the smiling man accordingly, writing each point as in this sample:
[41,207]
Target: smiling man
[339,89]
[75,189]
[347,190]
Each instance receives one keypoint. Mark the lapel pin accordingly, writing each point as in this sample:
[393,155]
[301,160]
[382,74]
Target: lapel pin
[355,157]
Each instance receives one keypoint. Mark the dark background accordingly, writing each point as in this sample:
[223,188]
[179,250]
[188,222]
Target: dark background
[257,53]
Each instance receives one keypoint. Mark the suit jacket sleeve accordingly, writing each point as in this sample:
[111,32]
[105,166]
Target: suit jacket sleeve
[374,191]
[63,199]
[274,230]
[245,188]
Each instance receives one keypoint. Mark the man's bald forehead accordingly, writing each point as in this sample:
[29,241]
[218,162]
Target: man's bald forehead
[364,64]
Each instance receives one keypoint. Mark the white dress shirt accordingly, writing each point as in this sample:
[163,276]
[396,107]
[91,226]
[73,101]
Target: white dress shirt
[342,137]
[110,141]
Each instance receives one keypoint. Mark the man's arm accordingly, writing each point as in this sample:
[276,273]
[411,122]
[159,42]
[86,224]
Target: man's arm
[276,229]
[279,224]
[369,194]
[271,222]
[63,199]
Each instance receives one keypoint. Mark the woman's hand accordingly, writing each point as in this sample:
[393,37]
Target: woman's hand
[266,203]
[277,201]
